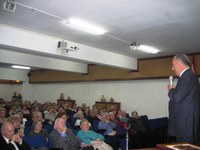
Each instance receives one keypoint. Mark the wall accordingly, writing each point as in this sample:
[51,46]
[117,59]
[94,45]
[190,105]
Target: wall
[7,90]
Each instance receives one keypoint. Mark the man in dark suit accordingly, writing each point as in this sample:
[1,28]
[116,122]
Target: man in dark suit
[184,104]
[9,140]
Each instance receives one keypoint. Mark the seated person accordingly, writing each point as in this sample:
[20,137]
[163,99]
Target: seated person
[91,138]
[9,140]
[16,121]
[88,135]
[36,116]
[50,115]
[138,123]
[2,114]
[62,137]
[80,118]
[64,116]
[110,133]
[143,137]
[106,124]
[38,130]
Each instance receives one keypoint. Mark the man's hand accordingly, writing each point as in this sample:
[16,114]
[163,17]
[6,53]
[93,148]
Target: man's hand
[169,87]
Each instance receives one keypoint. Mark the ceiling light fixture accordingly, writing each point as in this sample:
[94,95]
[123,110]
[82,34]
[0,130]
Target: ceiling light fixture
[85,26]
[144,48]
[20,67]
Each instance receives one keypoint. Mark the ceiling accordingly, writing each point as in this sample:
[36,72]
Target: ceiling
[173,26]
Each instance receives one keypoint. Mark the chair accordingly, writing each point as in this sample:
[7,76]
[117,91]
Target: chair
[36,141]
[49,127]
[27,130]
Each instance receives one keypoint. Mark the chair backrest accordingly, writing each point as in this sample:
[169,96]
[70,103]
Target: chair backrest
[27,130]
[144,118]
[158,122]
[49,127]
[36,141]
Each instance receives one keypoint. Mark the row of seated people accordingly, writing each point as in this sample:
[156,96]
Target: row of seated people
[140,135]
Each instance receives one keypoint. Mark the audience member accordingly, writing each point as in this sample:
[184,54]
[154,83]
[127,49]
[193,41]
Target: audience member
[110,132]
[63,137]
[11,141]
[50,115]
[143,136]
[38,130]
[65,117]
[80,118]
[16,121]
[2,114]
[13,110]
[90,137]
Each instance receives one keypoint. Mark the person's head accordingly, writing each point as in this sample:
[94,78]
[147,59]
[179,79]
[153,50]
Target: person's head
[179,63]
[59,124]
[15,120]
[79,109]
[2,112]
[61,109]
[37,126]
[134,114]
[74,106]
[123,113]
[80,115]
[7,130]
[62,115]
[21,114]
[104,117]
[92,113]
[85,125]
[36,116]
[83,105]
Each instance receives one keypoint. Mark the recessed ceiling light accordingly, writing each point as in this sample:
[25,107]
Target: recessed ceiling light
[21,67]
[85,26]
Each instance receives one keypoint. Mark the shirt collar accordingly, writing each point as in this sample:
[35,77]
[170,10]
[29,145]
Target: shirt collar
[183,71]
[7,140]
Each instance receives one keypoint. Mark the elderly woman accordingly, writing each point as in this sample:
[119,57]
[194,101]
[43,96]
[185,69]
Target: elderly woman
[92,138]
[88,135]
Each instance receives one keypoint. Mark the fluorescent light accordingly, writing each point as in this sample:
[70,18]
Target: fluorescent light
[85,26]
[20,67]
[148,49]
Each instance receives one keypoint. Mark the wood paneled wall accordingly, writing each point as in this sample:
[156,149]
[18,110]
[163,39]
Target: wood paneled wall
[147,69]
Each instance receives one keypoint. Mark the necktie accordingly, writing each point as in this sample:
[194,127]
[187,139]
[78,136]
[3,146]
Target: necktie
[11,146]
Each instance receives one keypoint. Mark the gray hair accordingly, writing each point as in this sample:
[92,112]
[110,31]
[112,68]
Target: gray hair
[183,58]
[82,121]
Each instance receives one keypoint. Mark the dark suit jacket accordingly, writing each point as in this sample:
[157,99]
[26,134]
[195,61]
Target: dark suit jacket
[5,146]
[71,142]
[184,106]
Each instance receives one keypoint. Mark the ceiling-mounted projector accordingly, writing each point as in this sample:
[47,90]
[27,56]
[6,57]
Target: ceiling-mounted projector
[9,5]
[67,46]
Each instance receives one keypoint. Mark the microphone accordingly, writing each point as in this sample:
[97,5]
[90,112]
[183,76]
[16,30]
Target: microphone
[171,80]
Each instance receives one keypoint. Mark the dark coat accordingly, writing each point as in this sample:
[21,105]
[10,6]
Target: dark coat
[5,146]
[184,106]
